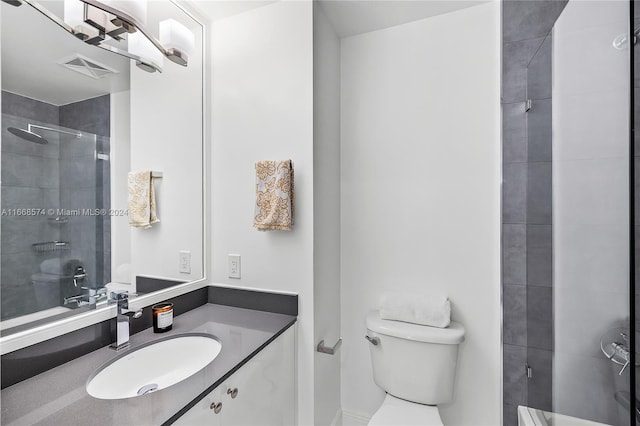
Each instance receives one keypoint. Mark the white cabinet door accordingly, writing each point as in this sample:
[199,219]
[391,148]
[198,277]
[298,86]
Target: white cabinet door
[260,393]
[263,388]
[204,412]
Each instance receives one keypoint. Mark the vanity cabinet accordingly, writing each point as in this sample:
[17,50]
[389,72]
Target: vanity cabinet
[261,392]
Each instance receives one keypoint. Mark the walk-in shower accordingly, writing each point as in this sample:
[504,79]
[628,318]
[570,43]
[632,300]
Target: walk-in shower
[55,182]
[31,136]
[568,214]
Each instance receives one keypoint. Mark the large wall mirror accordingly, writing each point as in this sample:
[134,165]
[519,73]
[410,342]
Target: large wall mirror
[76,119]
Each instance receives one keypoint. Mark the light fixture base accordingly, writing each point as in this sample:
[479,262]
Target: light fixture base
[93,39]
[126,27]
[177,56]
[146,67]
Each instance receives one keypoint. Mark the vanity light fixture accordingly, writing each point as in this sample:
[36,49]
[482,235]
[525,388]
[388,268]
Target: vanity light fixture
[95,22]
[141,46]
[178,41]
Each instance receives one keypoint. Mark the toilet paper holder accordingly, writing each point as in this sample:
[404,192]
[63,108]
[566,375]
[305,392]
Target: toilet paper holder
[331,350]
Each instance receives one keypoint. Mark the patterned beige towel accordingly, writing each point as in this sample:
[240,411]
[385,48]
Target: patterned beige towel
[142,199]
[274,196]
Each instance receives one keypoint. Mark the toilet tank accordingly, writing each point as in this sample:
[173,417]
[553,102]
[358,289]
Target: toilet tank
[414,362]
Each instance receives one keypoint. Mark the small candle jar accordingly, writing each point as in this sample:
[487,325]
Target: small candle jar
[162,317]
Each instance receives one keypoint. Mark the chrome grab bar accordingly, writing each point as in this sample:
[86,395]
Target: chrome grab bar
[375,341]
[327,349]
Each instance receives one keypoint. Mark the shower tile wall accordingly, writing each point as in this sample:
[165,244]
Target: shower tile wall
[82,182]
[636,219]
[52,176]
[29,181]
[526,200]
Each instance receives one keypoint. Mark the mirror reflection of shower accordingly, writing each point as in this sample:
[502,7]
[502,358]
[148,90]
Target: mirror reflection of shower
[31,136]
[55,172]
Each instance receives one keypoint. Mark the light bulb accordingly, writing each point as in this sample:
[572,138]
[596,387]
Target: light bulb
[74,12]
[74,17]
[177,39]
[137,9]
[140,46]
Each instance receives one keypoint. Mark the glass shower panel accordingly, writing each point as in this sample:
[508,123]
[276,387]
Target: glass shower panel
[53,213]
[539,220]
[587,170]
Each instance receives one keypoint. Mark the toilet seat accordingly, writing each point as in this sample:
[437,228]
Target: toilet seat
[395,411]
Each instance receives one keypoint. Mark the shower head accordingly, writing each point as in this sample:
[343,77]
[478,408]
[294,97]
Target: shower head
[620,41]
[28,135]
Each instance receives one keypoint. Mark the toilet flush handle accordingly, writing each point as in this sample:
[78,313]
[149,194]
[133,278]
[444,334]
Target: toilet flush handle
[373,340]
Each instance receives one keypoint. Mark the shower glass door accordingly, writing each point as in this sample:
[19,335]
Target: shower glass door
[55,230]
[578,221]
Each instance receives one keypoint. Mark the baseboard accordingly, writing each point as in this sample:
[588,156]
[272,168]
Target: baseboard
[337,419]
[353,419]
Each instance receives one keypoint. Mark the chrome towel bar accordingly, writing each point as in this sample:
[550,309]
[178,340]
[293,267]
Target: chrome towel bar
[328,349]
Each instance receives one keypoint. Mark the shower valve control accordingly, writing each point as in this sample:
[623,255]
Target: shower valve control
[615,346]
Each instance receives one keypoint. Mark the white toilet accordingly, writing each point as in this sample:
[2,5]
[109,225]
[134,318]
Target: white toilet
[416,366]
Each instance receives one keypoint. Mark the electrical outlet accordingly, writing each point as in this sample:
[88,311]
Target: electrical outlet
[234,266]
[185,262]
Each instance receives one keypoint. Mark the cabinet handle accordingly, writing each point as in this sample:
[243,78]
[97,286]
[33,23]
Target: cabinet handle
[233,392]
[216,407]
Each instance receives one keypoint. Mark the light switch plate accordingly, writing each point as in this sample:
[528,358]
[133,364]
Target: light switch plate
[234,266]
[185,261]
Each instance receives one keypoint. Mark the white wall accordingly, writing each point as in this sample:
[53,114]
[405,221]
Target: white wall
[326,213]
[262,109]
[1,123]
[420,172]
[166,135]
[120,160]
[590,206]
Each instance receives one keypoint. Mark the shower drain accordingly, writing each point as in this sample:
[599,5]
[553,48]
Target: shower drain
[148,389]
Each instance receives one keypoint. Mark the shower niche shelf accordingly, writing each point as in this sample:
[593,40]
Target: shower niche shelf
[51,246]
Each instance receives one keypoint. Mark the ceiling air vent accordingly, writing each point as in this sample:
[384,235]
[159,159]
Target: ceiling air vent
[86,66]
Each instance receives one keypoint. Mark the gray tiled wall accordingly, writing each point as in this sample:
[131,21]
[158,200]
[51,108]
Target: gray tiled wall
[636,122]
[61,173]
[83,180]
[91,115]
[527,202]
[29,181]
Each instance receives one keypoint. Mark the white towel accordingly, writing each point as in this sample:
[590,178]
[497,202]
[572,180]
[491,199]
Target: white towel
[417,308]
[142,199]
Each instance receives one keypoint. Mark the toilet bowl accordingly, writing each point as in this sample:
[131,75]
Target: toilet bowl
[415,365]
[395,411]
[55,281]
[47,290]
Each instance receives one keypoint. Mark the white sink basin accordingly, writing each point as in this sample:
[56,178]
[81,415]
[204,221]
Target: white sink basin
[153,366]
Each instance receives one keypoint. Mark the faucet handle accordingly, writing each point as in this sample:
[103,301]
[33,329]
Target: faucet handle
[134,314]
[73,299]
[79,272]
[120,295]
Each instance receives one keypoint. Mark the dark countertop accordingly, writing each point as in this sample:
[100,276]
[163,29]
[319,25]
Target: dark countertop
[58,396]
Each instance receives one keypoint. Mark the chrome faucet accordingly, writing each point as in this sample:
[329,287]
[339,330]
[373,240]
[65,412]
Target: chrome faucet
[121,298]
[79,275]
[90,298]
